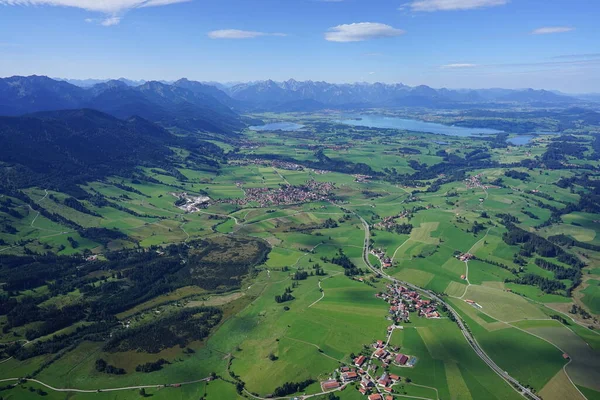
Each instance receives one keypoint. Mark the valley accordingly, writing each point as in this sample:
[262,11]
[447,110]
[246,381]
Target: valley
[252,266]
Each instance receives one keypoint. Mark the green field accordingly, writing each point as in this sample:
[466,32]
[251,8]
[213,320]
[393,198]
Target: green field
[422,215]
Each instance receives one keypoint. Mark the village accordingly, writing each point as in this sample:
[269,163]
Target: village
[402,301]
[364,370]
[384,260]
[371,369]
[389,223]
[285,195]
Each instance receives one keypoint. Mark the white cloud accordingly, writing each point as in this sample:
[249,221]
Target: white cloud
[464,65]
[551,29]
[361,31]
[110,21]
[114,9]
[239,34]
[451,5]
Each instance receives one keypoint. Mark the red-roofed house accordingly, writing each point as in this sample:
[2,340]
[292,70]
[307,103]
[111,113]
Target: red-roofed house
[375,396]
[330,384]
[360,360]
[401,359]
[349,376]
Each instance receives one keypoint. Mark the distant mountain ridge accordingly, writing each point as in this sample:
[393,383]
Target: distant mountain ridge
[170,105]
[214,107]
[270,94]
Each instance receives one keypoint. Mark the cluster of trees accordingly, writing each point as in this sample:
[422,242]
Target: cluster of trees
[477,227]
[75,204]
[319,271]
[103,366]
[95,332]
[329,223]
[522,176]
[530,214]
[531,242]
[286,296]
[300,275]
[557,152]
[102,235]
[179,328]
[292,387]
[403,229]
[223,264]
[564,240]
[341,259]
[152,366]
[550,286]
[560,318]
[138,275]
[575,309]
[559,271]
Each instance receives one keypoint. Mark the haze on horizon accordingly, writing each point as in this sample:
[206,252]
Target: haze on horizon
[439,43]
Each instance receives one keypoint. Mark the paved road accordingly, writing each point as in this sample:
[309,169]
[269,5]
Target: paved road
[101,390]
[470,339]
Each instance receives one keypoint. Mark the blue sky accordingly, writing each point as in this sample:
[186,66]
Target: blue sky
[552,44]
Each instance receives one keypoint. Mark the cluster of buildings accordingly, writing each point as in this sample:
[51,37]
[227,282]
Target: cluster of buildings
[268,163]
[465,256]
[384,260]
[364,368]
[361,178]
[191,204]
[286,195]
[390,222]
[290,166]
[402,301]
[474,182]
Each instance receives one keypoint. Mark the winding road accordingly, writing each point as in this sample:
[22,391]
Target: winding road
[522,390]
[103,390]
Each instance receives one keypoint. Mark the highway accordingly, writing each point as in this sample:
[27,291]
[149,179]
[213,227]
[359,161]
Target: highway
[522,390]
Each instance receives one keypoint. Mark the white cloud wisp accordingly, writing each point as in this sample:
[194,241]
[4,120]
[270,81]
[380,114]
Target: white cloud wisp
[452,5]
[239,34]
[546,30]
[113,9]
[361,31]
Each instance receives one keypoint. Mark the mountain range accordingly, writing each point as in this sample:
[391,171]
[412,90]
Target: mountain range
[170,105]
[216,108]
[292,95]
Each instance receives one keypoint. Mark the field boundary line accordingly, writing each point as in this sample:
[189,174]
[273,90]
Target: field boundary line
[105,389]
[564,368]
[427,387]
[321,351]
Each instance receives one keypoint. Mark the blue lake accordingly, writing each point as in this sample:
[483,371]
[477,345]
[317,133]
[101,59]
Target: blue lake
[381,121]
[278,126]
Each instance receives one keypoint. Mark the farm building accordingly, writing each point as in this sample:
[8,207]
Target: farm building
[349,376]
[330,384]
[401,359]
[360,360]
